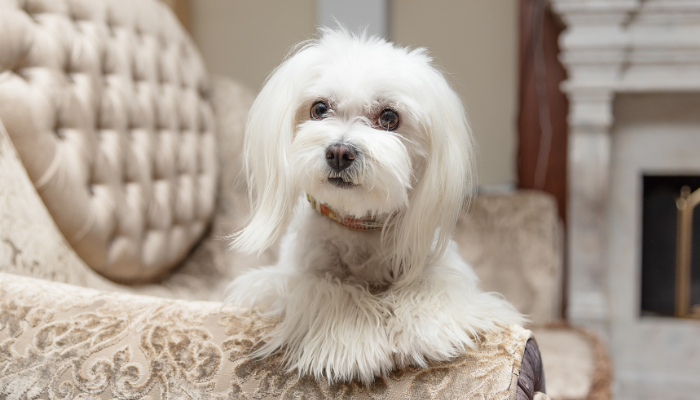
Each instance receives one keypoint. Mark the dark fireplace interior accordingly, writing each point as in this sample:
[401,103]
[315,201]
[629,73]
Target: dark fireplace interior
[659,223]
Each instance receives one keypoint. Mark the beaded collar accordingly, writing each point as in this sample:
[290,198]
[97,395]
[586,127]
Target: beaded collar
[367,223]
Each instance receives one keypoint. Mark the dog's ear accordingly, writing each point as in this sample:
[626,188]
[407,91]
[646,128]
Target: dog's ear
[423,231]
[268,138]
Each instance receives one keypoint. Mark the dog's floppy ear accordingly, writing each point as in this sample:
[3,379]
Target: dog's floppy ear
[446,185]
[268,138]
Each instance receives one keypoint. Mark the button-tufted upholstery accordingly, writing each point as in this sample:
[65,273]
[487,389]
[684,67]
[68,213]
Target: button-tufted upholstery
[106,102]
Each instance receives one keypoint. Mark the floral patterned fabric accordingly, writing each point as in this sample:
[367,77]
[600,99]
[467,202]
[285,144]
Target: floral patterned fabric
[59,341]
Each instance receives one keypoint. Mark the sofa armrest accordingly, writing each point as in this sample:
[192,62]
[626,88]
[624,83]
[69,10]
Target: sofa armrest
[64,340]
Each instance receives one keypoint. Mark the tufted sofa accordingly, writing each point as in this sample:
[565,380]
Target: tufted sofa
[119,177]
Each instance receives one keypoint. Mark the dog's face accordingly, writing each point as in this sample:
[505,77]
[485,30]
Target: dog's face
[357,145]
[367,128]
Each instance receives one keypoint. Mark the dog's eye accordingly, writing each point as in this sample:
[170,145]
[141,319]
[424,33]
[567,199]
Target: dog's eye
[319,110]
[389,120]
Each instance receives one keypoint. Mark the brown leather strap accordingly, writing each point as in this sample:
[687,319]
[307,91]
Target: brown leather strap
[531,378]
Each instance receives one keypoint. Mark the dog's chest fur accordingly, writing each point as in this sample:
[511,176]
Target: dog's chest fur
[324,247]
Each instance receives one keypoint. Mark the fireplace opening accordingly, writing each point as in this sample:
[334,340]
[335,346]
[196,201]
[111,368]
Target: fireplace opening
[663,287]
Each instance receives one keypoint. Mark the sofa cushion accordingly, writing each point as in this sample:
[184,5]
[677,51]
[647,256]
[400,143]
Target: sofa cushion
[576,363]
[106,102]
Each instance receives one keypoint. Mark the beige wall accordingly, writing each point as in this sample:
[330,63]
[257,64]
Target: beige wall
[475,41]
[246,39]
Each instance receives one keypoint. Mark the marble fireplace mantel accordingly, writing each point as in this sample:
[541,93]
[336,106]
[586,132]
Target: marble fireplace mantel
[610,47]
[650,49]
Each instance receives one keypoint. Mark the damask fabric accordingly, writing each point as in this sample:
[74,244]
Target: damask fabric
[62,341]
[107,104]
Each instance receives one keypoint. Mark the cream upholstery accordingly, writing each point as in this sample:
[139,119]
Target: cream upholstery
[62,342]
[107,103]
[32,245]
[512,241]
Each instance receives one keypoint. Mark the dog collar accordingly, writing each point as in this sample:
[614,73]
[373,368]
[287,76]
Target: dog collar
[367,223]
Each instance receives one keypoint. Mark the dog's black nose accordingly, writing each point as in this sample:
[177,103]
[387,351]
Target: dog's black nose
[340,156]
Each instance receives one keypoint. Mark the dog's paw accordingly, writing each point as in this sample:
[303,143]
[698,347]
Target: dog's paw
[441,315]
[361,352]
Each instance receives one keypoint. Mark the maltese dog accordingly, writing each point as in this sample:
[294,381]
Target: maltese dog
[359,155]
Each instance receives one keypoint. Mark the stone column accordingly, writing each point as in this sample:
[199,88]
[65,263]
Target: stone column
[593,47]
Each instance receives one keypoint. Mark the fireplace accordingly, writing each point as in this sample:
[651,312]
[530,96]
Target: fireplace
[670,246]
[634,94]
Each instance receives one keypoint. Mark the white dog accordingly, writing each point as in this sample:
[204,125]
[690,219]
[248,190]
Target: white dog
[368,278]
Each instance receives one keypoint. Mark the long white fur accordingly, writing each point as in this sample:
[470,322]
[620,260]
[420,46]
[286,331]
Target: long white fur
[354,305]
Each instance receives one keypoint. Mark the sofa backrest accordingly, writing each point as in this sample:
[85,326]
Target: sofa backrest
[513,241]
[107,103]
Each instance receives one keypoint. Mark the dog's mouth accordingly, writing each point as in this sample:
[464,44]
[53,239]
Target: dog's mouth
[345,179]
[339,182]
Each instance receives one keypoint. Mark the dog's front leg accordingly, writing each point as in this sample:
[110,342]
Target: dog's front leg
[443,311]
[332,329]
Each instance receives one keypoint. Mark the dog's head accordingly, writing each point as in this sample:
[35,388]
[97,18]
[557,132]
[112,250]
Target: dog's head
[367,128]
